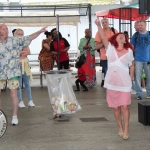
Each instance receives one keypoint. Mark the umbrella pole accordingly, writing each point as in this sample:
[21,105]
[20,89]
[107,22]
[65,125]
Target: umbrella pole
[58,43]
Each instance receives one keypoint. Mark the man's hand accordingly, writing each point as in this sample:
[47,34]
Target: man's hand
[36,34]
[87,47]
[43,29]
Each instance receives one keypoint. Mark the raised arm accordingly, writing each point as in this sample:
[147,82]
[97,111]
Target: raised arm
[101,33]
[36,34]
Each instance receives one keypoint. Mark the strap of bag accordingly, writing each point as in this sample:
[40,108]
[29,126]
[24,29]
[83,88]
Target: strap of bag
[113,30]
[88,41]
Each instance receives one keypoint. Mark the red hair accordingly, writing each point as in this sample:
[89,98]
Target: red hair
[113,41]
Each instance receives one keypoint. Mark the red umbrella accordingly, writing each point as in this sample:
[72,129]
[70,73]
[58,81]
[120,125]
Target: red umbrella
[122,13]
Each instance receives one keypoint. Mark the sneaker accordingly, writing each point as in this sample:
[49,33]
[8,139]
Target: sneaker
[133,92]
[143,89]
[14,120]
[21,104]
[139,98]
[31,104]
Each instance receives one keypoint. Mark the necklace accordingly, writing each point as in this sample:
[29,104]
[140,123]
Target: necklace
[120,49]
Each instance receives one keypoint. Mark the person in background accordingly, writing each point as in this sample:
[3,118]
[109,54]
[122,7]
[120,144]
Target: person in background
[26,74]
[87,48]
[46,57]
[81,77]
[13,31]
[141,42]
[10,48]
[108,32]
[136,27]
[126,33]
[62,57]
[118,80]
[133,82]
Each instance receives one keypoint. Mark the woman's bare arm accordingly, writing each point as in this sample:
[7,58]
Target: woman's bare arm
[132,70]
[46,46]
[66,49]
[26,52]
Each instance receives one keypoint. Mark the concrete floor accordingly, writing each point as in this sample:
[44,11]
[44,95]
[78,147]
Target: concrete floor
[37,132]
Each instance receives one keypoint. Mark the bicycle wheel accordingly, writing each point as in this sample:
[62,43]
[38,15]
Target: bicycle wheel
[3,123]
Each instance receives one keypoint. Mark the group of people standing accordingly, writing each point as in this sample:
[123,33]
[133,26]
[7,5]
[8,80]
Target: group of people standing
[14,64]
[49,52]
[122,62]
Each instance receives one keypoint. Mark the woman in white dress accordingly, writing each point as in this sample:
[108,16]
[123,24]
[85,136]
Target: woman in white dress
[118,80]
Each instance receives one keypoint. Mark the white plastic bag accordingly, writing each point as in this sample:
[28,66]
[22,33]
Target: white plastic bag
[61,95]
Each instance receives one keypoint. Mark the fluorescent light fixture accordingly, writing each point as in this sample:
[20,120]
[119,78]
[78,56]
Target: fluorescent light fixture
[93,2]
[14,1]
[126,2]
[3,1]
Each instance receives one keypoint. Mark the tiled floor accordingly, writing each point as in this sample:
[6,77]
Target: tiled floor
[36,130]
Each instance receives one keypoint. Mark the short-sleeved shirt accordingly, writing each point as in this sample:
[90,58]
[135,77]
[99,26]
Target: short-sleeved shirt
[107,34]
[10,56]
[141,43]
[63,44]
[81,71]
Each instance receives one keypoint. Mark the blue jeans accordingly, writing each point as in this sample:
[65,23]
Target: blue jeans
[139,66]
[133,85]
[26,82]
[104,66]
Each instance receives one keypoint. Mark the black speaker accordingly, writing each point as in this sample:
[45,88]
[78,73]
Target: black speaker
[144,6]
[144,112]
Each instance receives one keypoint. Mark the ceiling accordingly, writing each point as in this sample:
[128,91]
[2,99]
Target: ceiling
[62,2]
[59,2]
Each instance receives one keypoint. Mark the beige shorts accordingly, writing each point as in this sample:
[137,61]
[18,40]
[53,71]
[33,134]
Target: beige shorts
[12,84]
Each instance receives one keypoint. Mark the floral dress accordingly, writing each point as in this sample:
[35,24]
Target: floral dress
[89,63]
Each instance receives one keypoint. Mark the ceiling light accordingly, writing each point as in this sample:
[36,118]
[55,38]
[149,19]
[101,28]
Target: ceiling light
[126,2]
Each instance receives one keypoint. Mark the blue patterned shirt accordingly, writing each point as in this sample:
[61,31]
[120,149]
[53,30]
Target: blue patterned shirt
[141,43]
[9,56]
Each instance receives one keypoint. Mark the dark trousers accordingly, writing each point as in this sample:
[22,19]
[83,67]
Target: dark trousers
[65,64]
[81,83]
